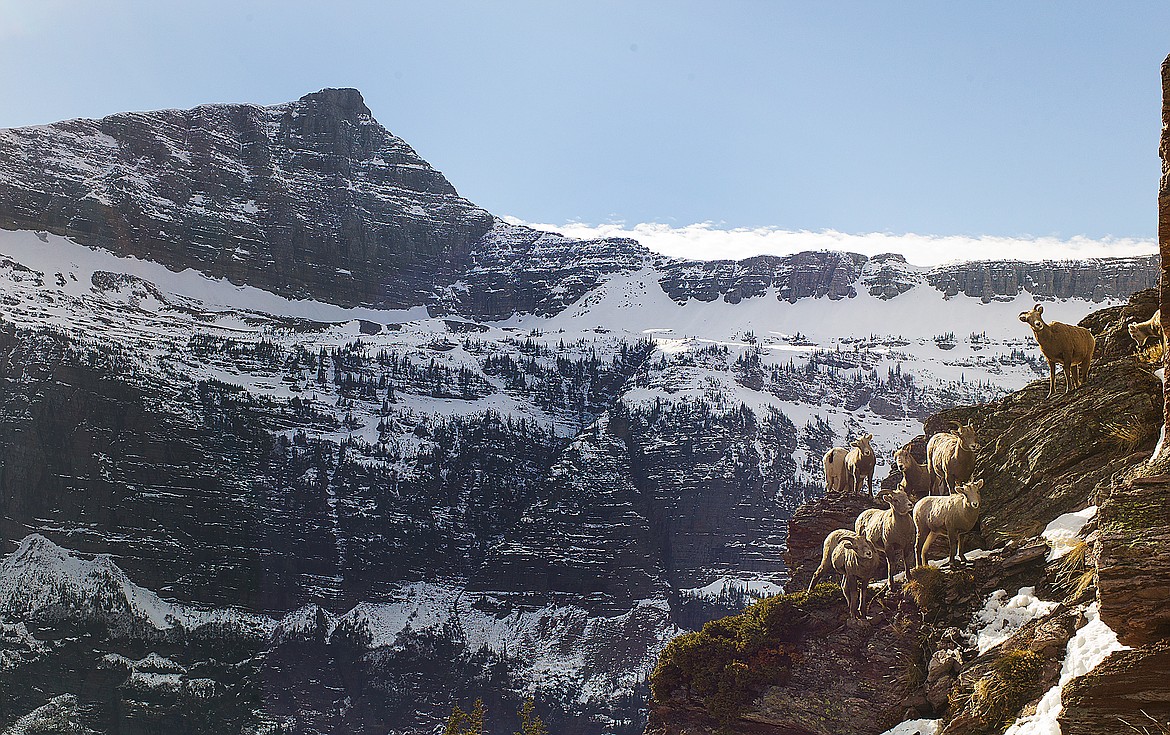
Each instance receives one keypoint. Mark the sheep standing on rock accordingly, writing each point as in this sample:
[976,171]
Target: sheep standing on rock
[950,457]
[891,531]
[834,462]
[1143,332]
[1070,345]
[855,559]
[859,463]
[953,514]
[916,478]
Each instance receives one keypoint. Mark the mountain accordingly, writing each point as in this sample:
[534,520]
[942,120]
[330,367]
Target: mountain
[295,437]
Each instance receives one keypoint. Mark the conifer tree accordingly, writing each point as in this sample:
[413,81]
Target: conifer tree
[530,722]
[466,723]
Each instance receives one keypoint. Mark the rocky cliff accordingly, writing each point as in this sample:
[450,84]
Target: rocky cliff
[920,655]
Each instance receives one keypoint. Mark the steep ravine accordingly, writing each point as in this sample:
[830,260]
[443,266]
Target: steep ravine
[794,665]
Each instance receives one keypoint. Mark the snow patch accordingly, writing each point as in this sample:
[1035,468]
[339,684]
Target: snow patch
[1064,532]
[1093,642]
[915,727]
[1002,617]
[734,586]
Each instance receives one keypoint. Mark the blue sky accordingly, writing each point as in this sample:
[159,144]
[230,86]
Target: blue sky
[1009,119]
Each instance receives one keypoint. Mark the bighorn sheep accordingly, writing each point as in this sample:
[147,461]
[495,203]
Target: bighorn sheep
[1145,331]
[1067,344]
[954,515]
[950,457]
[859,463]
[834,462]
[855,559]
[891,531]
[916,478]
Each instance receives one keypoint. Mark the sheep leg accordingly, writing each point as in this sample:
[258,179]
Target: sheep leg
[923,547]
[959,544]
[816,577]
[1068,377]
[870,479]
[1051,378]
[849,588]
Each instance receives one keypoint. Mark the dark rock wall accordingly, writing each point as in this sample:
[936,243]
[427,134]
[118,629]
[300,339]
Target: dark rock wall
[310,199]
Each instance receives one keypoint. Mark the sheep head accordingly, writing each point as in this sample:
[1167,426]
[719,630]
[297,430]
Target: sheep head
[966,436]
[902,458]
[863,443]
[859,546]
[971,490]
[1033,318]
[899,501]
[1135,332]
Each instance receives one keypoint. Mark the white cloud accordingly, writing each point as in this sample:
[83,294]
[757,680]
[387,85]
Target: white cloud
[705,241]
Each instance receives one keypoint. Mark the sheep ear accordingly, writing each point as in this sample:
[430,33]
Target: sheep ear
[978,484]
[1039,309]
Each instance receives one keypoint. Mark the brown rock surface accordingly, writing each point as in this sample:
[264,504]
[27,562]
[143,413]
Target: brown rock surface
[1127,687]
[1133,559]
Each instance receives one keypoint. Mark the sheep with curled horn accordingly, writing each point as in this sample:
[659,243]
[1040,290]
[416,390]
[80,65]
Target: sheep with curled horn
[848,554]
[953,514]
[860,462]
[1143,332]
[1068,344]
[891,531]
[950,457]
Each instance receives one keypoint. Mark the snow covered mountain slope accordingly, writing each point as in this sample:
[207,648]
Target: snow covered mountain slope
[265,365]
[513,490]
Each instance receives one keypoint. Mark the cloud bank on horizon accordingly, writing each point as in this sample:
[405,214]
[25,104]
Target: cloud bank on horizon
[706,241]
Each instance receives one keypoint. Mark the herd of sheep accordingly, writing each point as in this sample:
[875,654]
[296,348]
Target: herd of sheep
[947,498]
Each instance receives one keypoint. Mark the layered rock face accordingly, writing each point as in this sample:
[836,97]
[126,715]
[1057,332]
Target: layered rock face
[1041,458]
[1094,280]
[310,199]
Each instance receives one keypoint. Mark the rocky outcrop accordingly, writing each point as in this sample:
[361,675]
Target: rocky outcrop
[1126,693]
[1041,458]
[1133,559]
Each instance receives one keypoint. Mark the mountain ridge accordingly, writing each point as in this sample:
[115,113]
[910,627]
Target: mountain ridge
[314,198]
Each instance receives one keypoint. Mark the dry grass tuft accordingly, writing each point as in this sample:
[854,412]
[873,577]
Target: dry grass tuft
[1128,432]
[1076,573]
[1154,727]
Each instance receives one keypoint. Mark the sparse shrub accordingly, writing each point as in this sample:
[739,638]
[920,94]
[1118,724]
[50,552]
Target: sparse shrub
[998,696]
[728,661]
[1128,432]
[929,588]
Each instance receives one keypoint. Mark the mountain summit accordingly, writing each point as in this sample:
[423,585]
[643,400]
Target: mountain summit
[310,199]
